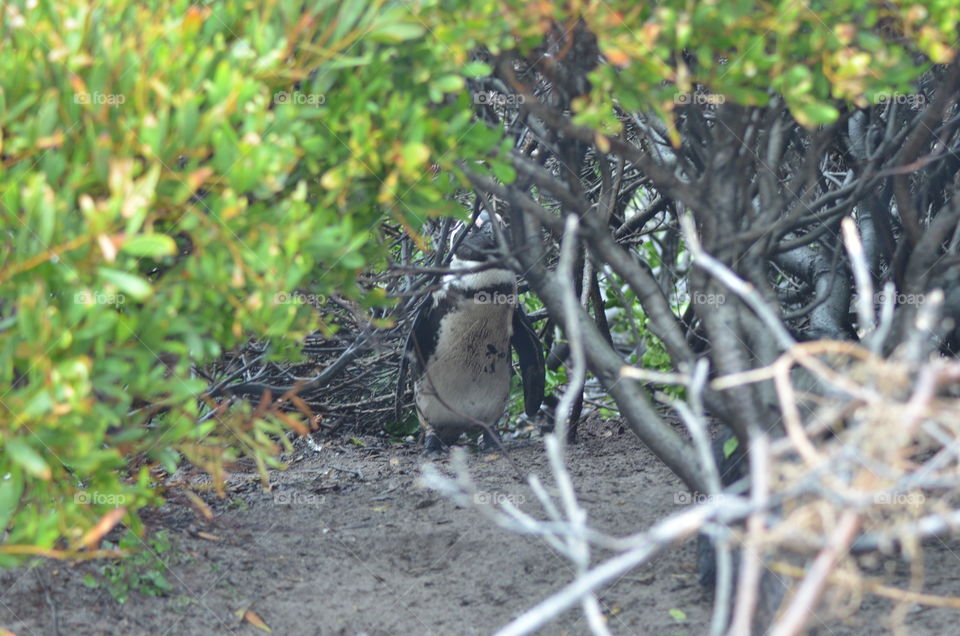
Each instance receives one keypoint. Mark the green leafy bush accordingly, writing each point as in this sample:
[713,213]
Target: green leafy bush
[174,176]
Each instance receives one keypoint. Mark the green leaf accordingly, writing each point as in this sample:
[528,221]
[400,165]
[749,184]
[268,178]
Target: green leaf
[136,286]
[476,69]
[504,172]
[813,114]
[397,32]
[25,455]
[449,83]
[152,245]
[168,458]
[11,489]
[415,154]
[730,446]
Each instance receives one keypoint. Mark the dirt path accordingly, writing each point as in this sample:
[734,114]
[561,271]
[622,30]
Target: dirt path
[348,544]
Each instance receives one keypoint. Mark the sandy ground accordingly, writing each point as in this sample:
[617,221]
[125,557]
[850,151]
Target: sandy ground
[347,543]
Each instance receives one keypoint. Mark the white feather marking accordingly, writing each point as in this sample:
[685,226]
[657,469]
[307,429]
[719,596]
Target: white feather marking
[476,280]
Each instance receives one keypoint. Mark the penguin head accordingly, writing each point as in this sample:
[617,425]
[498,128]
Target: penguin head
[476,245]
[479,242]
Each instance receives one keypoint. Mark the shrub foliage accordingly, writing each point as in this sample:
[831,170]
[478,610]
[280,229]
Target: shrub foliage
[174,176]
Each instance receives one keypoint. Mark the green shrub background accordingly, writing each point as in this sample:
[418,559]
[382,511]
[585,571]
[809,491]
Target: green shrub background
[170,171]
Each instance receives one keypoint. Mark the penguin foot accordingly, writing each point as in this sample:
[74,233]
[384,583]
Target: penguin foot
[433,448]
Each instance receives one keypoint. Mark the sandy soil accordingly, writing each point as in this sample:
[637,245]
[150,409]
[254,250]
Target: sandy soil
[348,544]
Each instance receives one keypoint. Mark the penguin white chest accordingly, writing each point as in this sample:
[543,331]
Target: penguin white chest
[467,380]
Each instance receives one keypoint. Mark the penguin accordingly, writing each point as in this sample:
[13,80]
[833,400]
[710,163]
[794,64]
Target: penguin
[459,350]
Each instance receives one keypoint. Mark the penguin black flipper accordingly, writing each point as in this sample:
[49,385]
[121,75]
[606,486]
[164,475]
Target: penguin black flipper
[530,353]
[423,336]
[420,344]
